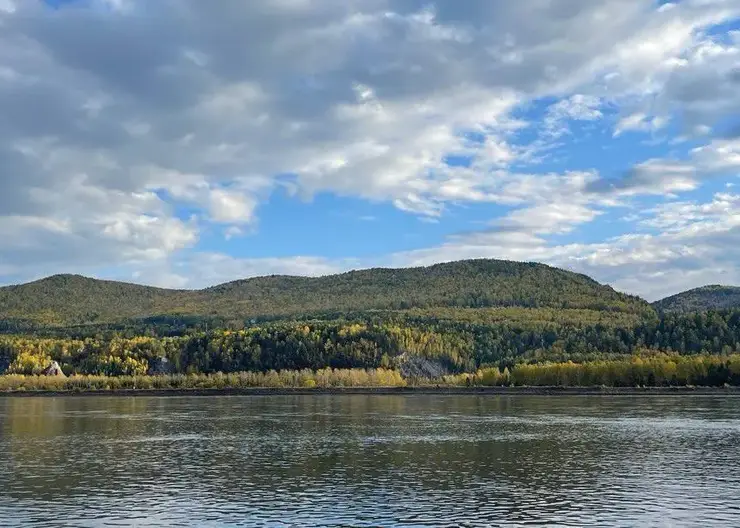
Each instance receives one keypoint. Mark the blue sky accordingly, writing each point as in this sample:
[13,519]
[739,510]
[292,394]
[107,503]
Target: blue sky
[185,144]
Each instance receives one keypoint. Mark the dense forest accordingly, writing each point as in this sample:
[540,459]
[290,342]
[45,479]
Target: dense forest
[66,300]
[456,341]
[447,320]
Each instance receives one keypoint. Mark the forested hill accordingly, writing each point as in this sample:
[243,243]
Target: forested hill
[713,297]
[70,299]
[73,299]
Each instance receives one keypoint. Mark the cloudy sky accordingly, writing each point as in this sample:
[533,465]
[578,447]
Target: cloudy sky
[184,143]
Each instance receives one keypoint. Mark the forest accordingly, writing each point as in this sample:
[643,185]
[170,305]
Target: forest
[70,300]
[459,341]
[528,322]
[652,370]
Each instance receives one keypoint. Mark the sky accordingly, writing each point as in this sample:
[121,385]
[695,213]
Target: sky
[184,143]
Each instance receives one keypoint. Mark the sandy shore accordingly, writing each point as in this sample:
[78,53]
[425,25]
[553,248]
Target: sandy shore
[483,391]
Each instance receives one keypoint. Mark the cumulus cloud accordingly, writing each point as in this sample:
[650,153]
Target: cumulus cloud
[698,86]
[118,115]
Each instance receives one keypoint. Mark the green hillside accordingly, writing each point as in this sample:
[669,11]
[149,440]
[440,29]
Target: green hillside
[468,284]
[72,300]
[425,322]
[713,297]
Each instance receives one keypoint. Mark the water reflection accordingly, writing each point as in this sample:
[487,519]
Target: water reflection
[370,461]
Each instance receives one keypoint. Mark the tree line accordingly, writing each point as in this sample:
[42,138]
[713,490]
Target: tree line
[459,340]
[647,369]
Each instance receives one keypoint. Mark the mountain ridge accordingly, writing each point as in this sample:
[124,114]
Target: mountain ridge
[66,299]
[703,298]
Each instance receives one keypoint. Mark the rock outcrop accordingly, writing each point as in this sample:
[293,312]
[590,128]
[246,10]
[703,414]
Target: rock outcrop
[421,367]
[53,370]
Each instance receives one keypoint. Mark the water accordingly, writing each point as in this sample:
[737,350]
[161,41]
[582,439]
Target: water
[370,461]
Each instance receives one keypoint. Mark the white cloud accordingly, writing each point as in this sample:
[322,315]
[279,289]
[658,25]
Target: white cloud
[113,123]
[640,122]
[578,107]
[697,244]
[698,83]
[7,6]
[229,207]
[120,6]
[655,176]
[667,177]
[209,269]
[719,156]
[550,218]
[232,232]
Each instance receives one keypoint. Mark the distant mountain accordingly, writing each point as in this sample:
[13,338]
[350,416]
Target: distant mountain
[714,297]
[70,299]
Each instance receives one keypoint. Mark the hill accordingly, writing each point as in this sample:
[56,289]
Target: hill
[714,297]
[72,300]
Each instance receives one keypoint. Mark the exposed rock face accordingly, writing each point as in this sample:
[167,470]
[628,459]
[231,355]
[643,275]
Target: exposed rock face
[421,367]
[53,370]
[160,366]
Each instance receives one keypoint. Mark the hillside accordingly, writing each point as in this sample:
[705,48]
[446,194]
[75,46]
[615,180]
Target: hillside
[73,299]
[713,297]
[70,300]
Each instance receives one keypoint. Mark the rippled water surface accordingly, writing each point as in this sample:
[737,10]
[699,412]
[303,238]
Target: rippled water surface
[370,461]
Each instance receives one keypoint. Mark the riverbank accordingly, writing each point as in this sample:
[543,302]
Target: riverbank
[408,390]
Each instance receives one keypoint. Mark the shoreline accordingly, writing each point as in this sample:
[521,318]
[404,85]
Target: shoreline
[386,391]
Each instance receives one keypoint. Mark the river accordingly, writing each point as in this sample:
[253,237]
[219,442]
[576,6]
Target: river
[370,460]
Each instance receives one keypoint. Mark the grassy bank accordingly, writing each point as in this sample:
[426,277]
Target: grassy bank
[305,379]
[633,371]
